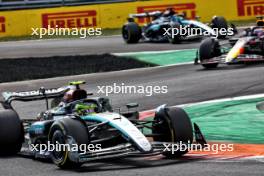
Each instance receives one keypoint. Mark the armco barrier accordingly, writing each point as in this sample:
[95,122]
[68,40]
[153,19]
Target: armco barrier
[20,22]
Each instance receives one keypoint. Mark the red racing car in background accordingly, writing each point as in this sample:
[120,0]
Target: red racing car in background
[248,47]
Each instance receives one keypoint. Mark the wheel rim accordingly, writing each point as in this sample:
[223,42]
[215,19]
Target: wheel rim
[58,138]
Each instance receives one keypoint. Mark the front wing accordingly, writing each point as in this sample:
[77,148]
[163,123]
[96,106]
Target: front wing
[243,58]
[119,151]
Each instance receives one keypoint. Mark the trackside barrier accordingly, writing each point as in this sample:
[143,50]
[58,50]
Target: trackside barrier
[20,22]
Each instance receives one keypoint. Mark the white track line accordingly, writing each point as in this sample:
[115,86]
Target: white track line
[151,52]
[247,97]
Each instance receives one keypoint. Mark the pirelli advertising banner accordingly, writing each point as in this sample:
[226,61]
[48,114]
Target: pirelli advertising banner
[21,22]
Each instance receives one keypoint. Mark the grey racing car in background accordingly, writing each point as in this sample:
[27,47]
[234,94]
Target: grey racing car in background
[160,22]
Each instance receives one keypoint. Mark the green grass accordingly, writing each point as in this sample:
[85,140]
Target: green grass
[236,121]
[166,58]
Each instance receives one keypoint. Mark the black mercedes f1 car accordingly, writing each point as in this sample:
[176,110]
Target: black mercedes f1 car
[80,122]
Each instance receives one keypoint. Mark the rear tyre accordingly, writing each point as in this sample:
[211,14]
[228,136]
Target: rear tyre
[175,126]
[58,134]
[219,23]
[11,133]
[209,49]
[131,32]
[262,48]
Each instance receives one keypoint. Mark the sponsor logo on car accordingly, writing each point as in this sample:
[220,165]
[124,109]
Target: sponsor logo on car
[250,7]
[187,8]
[2,24]
[33,92]
[77,19]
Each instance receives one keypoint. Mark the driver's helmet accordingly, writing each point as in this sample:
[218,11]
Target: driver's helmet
[169,12]
[74,94]
[67,98]
[259,32]
[85,108]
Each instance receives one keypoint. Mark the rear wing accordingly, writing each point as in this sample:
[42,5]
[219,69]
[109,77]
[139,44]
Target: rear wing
[146,14]
[33,95]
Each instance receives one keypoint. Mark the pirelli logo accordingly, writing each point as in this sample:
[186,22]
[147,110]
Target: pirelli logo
[250,7]
[188,8]
[77,19]
[2,24]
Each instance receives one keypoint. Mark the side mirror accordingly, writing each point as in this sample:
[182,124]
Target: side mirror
[260,106]
[132,105]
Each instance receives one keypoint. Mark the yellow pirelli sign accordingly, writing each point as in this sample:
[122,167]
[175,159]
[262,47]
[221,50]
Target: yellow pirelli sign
[21,22]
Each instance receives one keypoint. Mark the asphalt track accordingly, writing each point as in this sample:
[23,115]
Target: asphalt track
[186,84]
[95,45]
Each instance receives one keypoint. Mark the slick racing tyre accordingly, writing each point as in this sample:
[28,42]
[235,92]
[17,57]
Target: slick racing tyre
[175,126]
[11,133]
[58,134]
[208,49]
[262,47]
[131,32]
[219,23]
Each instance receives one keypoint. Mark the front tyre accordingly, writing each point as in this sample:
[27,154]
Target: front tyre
[58,134]
[175,126]
[131,32]
[262,47]
[209,49]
